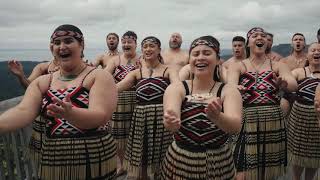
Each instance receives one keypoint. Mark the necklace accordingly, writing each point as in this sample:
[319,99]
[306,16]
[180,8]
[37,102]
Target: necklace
[257,69]
[113,53]
[200,97]
[151,70]
[71,76]
[298,61]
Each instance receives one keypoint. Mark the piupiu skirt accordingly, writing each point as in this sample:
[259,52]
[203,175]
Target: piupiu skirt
[303,136]
[35,143]
[78,158]
[210,164]
[122,117]
[261,148]
[148,140]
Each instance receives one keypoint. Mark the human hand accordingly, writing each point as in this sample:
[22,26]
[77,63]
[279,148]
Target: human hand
[214,109]
[60,108]
[171,120]
[280,82]
[16,68]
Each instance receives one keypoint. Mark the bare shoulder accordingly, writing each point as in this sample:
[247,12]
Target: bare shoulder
[42,82]
[285,59]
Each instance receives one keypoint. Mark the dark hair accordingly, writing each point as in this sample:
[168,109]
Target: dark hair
[209,41]
[130,34]
[68,30]
[269,34]
[115,34]
[154,40]
[239,38]
[298,34]
[318,31]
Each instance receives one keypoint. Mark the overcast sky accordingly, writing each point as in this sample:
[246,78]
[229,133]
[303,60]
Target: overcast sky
[29,23]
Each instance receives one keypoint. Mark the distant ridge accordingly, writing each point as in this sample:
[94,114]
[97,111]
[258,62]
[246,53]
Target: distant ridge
[11,88]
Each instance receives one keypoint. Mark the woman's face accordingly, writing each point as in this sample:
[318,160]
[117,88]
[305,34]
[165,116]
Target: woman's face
[66,48]
[258,43]
[150,51]
[128,45]
[298,43]
[314,54]
[203,60]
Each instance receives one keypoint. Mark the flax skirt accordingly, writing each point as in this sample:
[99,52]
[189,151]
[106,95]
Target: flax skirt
[122,117]
[78,158]
[37,135]
[303,136]
[148,140]
[261,149]
[181,164]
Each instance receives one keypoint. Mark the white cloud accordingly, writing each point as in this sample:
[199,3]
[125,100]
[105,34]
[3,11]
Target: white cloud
[29,23]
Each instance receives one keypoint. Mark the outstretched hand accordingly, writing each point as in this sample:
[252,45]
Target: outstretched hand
[59,108]
[280,82]
[214,108]
[15,67]
[171,120]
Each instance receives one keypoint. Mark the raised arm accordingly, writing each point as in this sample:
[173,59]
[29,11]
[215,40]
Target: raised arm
[286,75]
[172,101]
[98,61]
[102,103]
[111,66]
[184,73]
[26,111]
[16,68]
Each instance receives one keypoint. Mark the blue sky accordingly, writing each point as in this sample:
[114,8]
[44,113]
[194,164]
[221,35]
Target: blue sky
[29,23]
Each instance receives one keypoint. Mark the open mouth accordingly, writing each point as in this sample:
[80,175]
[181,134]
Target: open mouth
[126,48]
[259,44]
[317,58]
[201,65]
[65,55]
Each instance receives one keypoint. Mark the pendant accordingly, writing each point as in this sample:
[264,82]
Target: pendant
[67,78]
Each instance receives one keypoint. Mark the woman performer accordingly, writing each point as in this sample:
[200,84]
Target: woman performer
[201,112]
[120,66]
[75,103]
[148,139]
[261,151]
[303,129]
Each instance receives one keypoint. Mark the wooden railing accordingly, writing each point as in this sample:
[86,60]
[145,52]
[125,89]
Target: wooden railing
[15,162]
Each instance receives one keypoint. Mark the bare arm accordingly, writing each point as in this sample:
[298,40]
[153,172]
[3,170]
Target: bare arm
[286,75]
[173,75]
[25,112]
[111,66]
[102,103]
[184,73]
[234,74]
[223,73]
[172,101]
[98,61]
[128,81]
